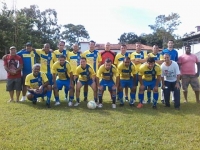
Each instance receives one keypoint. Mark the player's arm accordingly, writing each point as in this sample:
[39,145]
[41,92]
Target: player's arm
[134,60]
[158,74]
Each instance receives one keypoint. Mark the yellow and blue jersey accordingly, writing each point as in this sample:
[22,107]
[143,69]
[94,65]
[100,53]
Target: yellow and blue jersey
[46,60]
[125,73]
[149,74]
[74,60]
[120,58]
[107,74]
[62,72]
[35,82]
[29,59]
[58,53]
[136,55]
[156,57]
[85,74]
[93,58]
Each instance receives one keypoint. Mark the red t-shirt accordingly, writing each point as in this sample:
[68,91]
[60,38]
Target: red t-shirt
[13,62]
[107,54]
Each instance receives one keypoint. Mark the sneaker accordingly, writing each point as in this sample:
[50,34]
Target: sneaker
[57,103]
[66,99]
[70,104]
[163,101]
[131,104]
[185,101]
[100,105]
[76,104]
[97,104]
[126,99]
[23,99]
[144,102]
[154,107]
[114,106]
[140,105]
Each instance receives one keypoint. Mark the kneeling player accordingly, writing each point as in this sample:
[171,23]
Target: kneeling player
[106,73]
[149,76]
[86,76]
[126,78]
[37,85]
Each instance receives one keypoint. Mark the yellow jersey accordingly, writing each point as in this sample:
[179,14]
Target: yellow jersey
[156,57]
[85,74]
[149,74]
[74,60]
[135,56]
[93,58]
[35,82]
[58,53]
[107,74]
[125,73]
[46,60]
[120,58]
[62,72]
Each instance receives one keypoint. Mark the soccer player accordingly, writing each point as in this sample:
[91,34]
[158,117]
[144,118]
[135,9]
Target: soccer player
[13,65]
[118,59]
[157,57]
[105,76]
[149,76]
[107,53]
[37,85]
[170,81]
[126,78]
[94,60]
[86,76]
[173,56]
[138,58]
[62,76]
[28,56]
[187,64]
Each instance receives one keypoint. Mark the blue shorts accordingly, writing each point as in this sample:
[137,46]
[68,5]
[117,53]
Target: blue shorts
[37,95]
[126,83]
[89,82]
[61,83]
[50,78]
[109,83]
[150,84]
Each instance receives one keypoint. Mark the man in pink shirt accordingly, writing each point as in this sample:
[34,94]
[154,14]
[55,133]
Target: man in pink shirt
[187,63]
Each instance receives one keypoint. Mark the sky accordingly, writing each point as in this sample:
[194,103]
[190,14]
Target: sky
[106,20]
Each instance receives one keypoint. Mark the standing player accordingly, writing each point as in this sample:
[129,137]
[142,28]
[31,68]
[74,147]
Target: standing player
[118,59]
[149,76]
[28,56]
[86,76]
[62,76]
[37,85]
[94,60]
[74,58]
[107,53]
[105,76]
[126,78]
[173,56]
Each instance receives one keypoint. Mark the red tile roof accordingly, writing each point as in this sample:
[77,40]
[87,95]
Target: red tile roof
[117,47]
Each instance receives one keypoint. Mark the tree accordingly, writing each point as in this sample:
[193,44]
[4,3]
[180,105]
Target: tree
[129,38]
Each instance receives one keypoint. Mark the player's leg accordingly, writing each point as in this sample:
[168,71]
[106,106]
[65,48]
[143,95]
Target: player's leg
[162,96]
[126,94]
[196,87]
[32,97]
[132,93]
[18,88]
[67,87]
[10,89]
[94,88]
[172,93]
[24,90]
[100,92]
[167,91]
[85,92]
[141,94]
[48,93]
[121,88]
[185,83]
[56,87]
[155,94]
[176,96]
[149,94]
[78,88]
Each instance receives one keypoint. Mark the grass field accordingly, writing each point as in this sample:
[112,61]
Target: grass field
[27,126]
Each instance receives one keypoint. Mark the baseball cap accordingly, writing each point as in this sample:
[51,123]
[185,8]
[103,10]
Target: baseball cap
[28,44]
[12,47]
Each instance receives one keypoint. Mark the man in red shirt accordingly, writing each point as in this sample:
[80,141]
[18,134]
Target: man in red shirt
[107,53]
[13,65]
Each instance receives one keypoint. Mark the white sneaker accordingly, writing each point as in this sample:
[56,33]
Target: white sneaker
[66,99]
[70,104]
[96,104]
[23,99]
[113,105]
[144,102]
[100,105]
[76,104]
[57,103]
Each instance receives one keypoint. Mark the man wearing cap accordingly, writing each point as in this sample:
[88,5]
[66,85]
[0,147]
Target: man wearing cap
[28,56]
[13,65]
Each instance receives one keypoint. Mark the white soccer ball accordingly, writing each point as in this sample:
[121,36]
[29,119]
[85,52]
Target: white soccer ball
[91,105]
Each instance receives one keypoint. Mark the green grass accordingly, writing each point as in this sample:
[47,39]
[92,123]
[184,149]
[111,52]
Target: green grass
[27,126]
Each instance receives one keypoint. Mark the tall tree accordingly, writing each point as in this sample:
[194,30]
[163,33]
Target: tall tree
[128,38]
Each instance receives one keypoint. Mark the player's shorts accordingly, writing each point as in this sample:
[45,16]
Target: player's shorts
[50,78]
[14,84]
[36,95]
[61,83]
[192,80]
[126,83]
[150,84]
[107,83]
[89,82]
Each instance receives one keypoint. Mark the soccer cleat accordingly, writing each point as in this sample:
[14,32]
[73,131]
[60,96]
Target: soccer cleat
[76,104]
[144,102]
[23,99]
[126,99]
[140,105]
[57,103]
[34,102]
[154,107]
[70,104]
[100,105]
[114,106]
[85,99]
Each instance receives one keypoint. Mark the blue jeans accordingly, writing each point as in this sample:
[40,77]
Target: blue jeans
[167,91]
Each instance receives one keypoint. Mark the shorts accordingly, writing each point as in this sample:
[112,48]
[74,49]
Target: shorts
[150,84]
[36,95]
[61,83]
[126,83]
[192,80]
[107,83]
[14,84]
[50,78]
[89,82]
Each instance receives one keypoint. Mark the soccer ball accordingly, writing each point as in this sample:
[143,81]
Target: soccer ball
[91,105]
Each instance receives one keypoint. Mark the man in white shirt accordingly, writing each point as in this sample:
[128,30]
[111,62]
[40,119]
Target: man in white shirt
[170,81]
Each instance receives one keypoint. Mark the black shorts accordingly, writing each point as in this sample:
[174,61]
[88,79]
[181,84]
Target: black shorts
[14,84]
